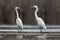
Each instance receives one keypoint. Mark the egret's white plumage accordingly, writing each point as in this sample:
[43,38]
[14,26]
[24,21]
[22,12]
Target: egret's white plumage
[38,19]
[18,20]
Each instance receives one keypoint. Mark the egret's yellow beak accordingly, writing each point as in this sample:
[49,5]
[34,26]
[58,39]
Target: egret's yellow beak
[30,6]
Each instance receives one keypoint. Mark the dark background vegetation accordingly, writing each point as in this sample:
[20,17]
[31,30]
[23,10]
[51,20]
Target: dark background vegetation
[49,11]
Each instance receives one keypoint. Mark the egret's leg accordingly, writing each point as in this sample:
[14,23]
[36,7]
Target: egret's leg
[21,29]
[18,29]
[40,30]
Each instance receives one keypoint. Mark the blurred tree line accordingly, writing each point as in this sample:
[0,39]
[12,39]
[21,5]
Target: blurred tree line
[49,11]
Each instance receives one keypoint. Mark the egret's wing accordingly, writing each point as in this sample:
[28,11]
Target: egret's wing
[19,22]
[41,23]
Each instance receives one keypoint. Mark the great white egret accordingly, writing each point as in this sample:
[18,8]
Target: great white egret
[18,20]
[39,20]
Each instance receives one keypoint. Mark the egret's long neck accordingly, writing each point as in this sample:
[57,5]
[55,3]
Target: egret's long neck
[36,12]
[17,13]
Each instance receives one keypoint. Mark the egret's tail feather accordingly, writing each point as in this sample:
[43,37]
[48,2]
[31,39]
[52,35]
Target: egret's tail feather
[45,28]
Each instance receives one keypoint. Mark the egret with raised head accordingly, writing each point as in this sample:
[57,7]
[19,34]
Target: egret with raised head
[18,20]
[39,20]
